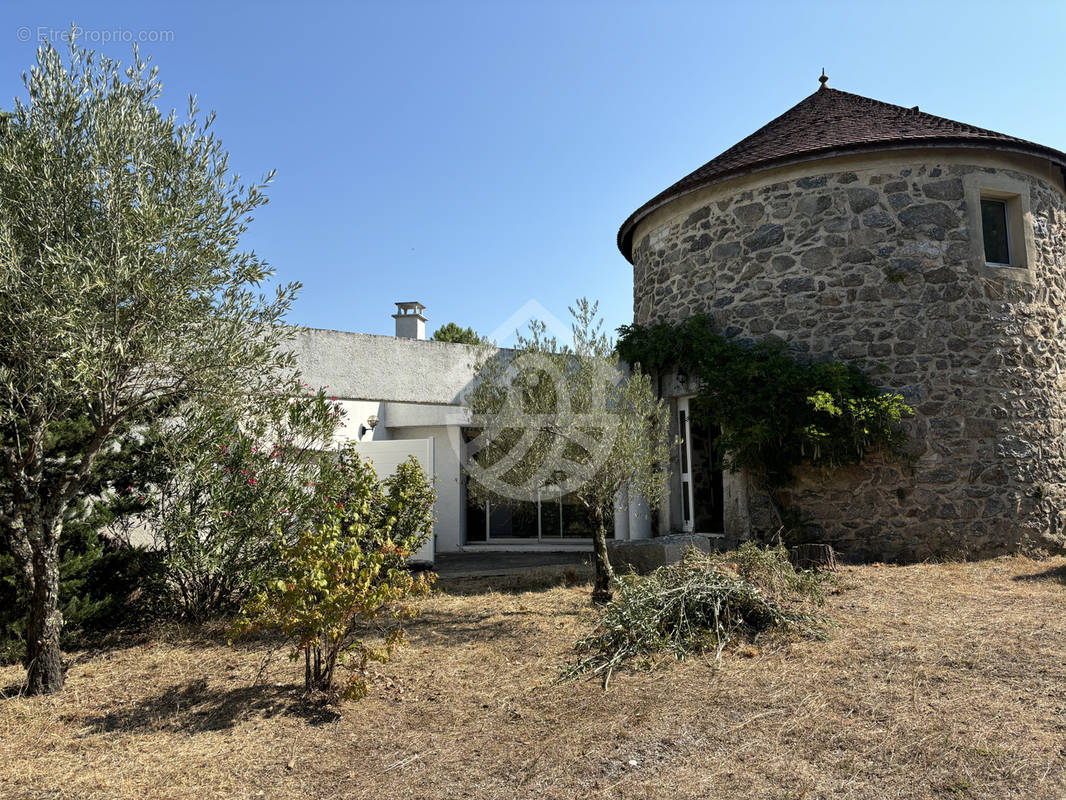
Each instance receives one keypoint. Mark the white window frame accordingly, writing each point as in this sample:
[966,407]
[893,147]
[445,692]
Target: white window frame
[684,463]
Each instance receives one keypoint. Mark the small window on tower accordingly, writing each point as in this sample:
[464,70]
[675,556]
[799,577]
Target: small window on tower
[1002,231]
[996,228]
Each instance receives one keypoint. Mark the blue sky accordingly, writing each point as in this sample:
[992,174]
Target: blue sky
[476,156]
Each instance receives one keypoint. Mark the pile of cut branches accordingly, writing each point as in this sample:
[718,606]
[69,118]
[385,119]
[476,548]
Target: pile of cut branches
[700,605]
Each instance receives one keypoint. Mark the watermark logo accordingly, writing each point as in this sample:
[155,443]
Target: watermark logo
[555,452]
[42,34]
[506,332]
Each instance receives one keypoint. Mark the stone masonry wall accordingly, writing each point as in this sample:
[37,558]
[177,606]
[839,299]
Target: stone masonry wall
[873,265]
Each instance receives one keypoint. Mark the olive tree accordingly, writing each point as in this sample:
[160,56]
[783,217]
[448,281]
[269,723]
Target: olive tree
[556,419]
[123,284]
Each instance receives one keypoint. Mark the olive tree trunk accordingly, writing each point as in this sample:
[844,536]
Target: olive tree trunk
[34,542]
[33,523]
[34,528]
[44,659]
[601,590]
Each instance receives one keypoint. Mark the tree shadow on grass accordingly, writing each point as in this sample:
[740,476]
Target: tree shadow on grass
[507,627]
[190,634]
[458,629]
[1054,575]
[197,707]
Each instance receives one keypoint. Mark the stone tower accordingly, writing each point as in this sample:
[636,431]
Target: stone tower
[928,252]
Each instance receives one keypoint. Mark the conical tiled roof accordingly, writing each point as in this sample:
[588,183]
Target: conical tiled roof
[831,122]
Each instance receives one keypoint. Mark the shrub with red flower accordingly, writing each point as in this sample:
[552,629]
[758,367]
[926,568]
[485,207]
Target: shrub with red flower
[216,517]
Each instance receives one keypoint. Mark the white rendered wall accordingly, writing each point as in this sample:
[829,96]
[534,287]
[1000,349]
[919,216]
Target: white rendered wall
[359,366]
[356,414]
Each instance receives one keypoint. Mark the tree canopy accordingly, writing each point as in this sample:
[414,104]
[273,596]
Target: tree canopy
[559,419]
[453,333]
[123,283]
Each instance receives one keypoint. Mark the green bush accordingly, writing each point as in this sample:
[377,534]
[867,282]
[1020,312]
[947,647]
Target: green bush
[776,411]
[347,570]
[701,604]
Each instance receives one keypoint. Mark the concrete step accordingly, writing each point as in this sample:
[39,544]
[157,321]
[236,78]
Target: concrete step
[644,555]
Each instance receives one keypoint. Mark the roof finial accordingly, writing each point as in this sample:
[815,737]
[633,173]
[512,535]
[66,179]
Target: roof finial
[824,79]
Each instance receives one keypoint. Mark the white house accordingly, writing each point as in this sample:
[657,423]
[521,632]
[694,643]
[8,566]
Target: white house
[403,395]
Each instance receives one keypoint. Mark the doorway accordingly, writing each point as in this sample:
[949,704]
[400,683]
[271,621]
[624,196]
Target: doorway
[700,467]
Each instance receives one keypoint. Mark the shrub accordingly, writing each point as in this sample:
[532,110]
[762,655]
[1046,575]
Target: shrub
[346,570]
[234,472]
[699,605]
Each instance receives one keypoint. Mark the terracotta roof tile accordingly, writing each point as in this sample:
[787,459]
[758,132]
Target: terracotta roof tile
[825,123]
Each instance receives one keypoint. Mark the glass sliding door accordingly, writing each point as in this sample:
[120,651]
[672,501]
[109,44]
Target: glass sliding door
[546,520]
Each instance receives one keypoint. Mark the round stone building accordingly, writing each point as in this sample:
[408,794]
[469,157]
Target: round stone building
[928,252]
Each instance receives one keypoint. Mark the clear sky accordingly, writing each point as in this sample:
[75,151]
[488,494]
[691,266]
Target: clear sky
[476,156]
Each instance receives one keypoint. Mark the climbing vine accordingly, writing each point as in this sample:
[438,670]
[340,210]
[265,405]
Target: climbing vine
[776,411]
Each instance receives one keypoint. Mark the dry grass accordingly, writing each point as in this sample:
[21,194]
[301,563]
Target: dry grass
[938,681]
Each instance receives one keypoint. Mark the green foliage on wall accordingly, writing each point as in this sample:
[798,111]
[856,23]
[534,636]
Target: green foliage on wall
[775,410]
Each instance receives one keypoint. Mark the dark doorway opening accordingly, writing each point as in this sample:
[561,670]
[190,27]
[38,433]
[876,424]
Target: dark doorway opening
[708,496]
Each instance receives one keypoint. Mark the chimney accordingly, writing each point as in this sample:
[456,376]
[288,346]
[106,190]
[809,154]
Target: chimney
[410,324]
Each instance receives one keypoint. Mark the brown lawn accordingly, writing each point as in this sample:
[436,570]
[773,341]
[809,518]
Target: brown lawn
[937,681]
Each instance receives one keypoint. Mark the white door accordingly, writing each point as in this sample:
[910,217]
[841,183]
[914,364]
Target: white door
[684,433]
[386,455]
